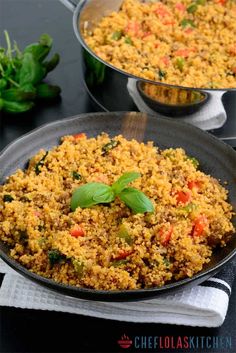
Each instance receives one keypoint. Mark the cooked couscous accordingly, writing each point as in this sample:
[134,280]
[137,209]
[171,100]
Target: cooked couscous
[191,43]
[113,244]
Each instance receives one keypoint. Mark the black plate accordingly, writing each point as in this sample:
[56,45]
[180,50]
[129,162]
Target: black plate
[215,157]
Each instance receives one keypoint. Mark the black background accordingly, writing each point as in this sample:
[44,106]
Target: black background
[40,331]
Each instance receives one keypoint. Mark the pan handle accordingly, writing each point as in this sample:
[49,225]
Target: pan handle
[71,5]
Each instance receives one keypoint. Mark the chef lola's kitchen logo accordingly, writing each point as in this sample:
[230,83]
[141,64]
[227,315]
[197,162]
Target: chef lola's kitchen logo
[220,343]
[125,342]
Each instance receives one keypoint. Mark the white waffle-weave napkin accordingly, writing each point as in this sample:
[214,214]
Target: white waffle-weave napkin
[204,305]
[211,116]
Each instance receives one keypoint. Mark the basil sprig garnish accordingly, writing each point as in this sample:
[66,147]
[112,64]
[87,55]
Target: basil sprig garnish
[136,200]
[95,193]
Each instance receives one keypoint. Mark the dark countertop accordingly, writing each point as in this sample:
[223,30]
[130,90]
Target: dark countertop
[39,331]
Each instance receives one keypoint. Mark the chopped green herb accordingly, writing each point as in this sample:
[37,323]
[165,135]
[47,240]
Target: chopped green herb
[118,263]
[42,241]
[187,22]
[128,40]
[109,146]
[55,257]
[201,2]
[192,8]
[8,198]
[124,234]
[189,208]
[79,267]
[40,163]
[23,237]
[194,162]
[180,63]
[161,74]
[24,199]
[41,228]
[166,262]
[76,175]
[116,35]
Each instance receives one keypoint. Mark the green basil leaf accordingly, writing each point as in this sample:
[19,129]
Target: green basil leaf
[136,200]
[124,180]
[48,91]
[39,52]
[31,70]
[3,83]
[29,88]
[52,63]
[192,8]
[1,104]
[16,107]
[17,95]
[40,164]
[84,195]
[104,194]
[46,39]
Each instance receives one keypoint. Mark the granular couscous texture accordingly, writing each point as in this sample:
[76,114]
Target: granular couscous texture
[190,43]
[107,246]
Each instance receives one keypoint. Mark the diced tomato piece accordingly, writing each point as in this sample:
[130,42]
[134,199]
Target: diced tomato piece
[194,184]
[156,45]
[161,11]
[132,28]
[79,136]
[199,226]
[189,30]
[165,235]
[183,197]
[123,255]
[234,69]
[166,60]
[221,2]
[168,22]
[180,6]
[184,53]
[146,34]
[77,232]
[232,49]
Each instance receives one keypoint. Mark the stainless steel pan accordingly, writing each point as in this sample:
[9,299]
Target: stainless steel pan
[105,83]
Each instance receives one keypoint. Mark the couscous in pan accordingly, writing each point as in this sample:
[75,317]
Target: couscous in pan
[114,247]
[186,43]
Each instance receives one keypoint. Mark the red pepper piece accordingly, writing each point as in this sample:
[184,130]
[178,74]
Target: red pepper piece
[165,235]
[123,255]
[79,136]
[180,6]
[183,197]
[77,232]
[199,226]
[194,184]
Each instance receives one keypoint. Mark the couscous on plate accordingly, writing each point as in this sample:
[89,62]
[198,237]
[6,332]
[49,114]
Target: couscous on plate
[157,217]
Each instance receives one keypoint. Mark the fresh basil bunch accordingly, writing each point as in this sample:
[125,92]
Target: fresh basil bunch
[95,193]
[22,74]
